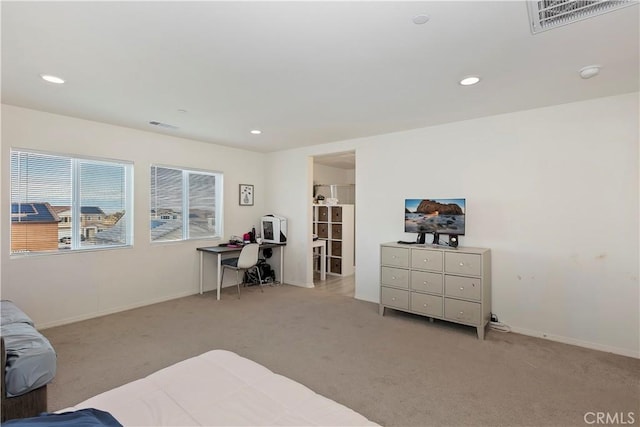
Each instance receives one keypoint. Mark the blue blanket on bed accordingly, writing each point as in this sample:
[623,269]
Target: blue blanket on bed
[89,417]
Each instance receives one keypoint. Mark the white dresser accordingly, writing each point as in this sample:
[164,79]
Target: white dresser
[452,284]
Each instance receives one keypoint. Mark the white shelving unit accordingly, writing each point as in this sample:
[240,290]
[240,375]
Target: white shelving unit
[335,224]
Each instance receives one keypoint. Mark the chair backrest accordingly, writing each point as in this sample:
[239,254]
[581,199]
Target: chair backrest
[249,255]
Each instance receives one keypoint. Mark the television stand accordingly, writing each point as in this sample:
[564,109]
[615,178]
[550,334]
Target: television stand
[441,246]
[449,284]
[422,240]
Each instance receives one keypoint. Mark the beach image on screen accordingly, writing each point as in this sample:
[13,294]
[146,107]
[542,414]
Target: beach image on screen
[444,216]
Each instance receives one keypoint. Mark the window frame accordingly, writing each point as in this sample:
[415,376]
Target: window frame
[218,231]
[75,203]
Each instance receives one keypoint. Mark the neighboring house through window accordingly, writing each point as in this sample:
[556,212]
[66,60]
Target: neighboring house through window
[185,204]
[68,203]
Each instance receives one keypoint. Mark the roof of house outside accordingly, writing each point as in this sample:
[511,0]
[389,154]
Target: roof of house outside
[86,210]
[116,234]
[33,213]
[59,209]
[94,210]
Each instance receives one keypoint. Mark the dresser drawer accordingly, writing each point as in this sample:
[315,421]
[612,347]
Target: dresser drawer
[462,311]
[426,259]
[396,298]
[463,287]
[425,281]
[430,305]
[395,277]
[398,257]
[468,264]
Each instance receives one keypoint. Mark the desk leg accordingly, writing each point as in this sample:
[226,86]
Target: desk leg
[323,262]
[201,270]
[282,265]
[218,273]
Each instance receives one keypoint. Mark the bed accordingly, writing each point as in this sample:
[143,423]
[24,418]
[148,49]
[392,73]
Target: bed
[220,388]
[28,364]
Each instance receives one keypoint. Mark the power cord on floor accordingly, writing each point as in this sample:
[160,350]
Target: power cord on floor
[500,327]
[495,325]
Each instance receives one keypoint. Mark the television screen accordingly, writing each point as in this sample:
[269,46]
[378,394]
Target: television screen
[437,216]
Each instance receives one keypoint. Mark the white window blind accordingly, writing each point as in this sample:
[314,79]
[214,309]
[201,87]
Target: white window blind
[67,203]
[185,204]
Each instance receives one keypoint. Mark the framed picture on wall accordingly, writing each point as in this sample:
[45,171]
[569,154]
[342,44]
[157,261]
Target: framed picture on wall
[246,195]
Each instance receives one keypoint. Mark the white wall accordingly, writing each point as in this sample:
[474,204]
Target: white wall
[289,194]
[327,175]
[56,289]
[553,192]
[324,176]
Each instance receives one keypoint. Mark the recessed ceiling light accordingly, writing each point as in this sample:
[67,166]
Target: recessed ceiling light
[52,79]
[468,81]
[420,19]
[256,132]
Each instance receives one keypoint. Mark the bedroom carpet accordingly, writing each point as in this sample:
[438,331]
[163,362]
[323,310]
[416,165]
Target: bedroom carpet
[396,370]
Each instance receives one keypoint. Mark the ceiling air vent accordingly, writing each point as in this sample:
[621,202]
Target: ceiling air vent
[547,14]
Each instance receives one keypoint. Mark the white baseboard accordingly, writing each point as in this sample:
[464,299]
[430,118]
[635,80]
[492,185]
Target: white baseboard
[302,285]
[361,298]
[101,313]
[579,343]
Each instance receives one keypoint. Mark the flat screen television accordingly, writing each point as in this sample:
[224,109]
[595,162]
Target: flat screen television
[434,216]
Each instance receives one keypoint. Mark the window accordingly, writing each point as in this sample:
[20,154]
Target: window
[185,204]
[61,203]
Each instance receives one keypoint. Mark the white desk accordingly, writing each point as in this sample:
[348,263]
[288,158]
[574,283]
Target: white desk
[218,251]
[322,244]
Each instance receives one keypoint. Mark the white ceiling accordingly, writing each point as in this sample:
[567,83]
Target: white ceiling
[345,160]
[303,72]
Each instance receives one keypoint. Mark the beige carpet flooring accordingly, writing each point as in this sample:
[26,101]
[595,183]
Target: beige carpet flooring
[397,370]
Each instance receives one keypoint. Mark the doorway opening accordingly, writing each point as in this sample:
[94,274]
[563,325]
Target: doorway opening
[333,222]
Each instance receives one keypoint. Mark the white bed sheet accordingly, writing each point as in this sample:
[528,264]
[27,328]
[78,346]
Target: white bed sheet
[220,388]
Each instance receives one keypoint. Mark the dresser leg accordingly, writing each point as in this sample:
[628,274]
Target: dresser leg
[381,310]
[480,332]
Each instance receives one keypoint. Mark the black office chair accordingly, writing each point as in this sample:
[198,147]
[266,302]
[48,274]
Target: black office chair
[247,260]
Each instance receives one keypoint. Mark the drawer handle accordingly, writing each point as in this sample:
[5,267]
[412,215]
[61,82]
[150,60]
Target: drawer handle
[425,305]
[425,282]
[426,260]
[462,264]
[393,277]
[393,298]
[462,288]
[460,314]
